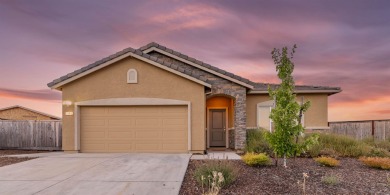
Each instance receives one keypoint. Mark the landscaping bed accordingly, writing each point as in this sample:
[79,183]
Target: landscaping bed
[12,160]
[14,152]
[352,178]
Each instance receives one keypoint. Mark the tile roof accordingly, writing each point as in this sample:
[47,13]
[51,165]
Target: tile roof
[193,60]
[257,86]
[140,52]
[118,54]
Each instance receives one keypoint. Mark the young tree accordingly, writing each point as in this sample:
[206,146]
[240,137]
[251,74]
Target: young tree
[287,113]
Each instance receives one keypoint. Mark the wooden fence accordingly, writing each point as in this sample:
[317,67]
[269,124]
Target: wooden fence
[377,129]
[31,135]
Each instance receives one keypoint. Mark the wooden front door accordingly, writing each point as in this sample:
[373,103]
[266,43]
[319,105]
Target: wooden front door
[217,127]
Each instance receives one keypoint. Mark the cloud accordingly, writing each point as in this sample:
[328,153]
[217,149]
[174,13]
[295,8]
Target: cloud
[41,94]
[338,44]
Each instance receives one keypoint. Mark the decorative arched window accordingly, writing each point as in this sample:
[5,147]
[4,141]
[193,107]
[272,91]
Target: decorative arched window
[132,76]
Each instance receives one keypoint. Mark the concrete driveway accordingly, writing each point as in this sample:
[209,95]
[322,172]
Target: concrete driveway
[96,174]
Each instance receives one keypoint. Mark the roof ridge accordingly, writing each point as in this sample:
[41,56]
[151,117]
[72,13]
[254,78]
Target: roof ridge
[196,61]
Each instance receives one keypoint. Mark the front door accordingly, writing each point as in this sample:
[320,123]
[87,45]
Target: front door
[217,127]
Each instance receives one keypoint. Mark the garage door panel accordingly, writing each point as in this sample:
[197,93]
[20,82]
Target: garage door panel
[94,147]
[93,122]
[148,135]
[174,135]
[121,135]
[174,146]
[95,111]
[178,110]
[94,134]
[174,121]
[95,129]
[148,122]
[123,122]
[134,129]
[117,147]
[120,111]
[147,147]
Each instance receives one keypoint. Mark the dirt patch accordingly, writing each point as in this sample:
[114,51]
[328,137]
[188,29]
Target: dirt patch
[353,178]
[12,160]
[12,152]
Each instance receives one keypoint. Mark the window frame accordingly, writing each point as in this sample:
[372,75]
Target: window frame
[135,80]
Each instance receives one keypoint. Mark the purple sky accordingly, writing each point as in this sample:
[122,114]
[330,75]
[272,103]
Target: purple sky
[340,43]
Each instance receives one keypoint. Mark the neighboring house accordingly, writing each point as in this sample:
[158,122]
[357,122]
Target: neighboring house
[23,113]
[155,99]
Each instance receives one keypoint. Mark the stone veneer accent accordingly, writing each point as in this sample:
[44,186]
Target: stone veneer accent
[231,139]
[220,86]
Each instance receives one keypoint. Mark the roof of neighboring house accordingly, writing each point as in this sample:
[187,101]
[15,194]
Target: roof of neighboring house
[141,54]
[29,109]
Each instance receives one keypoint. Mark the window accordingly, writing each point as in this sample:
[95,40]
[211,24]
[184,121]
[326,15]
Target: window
[132,76]
[263,112]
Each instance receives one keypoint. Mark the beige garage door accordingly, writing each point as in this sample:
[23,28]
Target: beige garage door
[134,129]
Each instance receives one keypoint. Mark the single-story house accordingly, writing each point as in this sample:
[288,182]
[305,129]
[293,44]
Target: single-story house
[155,99]
[22,113]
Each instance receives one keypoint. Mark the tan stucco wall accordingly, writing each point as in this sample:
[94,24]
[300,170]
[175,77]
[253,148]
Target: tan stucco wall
[222,102]
[316,115]
[153,82]
[251,102]
[21,114]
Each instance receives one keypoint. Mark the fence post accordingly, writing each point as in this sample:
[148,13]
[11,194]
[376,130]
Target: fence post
[373,129]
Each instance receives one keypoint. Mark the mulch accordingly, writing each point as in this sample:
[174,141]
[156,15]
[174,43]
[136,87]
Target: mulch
[12,160]
[354,178]
[12,152]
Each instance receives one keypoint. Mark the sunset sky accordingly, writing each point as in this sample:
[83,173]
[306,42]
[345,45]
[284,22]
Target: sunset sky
[340,43]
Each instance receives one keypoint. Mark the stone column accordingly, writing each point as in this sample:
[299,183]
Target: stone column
[240,120]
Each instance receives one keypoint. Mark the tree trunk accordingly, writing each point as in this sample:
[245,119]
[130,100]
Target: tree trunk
[276,159]
[284,161]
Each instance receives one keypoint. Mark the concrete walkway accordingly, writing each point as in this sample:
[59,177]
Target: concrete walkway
[222,155]
[96,174]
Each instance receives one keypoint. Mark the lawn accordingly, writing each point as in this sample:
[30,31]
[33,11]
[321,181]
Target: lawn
[351,177]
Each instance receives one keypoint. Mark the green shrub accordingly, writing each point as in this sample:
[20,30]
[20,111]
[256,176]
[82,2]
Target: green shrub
[330,180]
[379,152]
[228,170]
[339,145]
[253,159]
[256,142]
[384,144]
[376,162]
[327,161]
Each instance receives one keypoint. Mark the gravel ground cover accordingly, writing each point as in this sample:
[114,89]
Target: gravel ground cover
[352,177]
